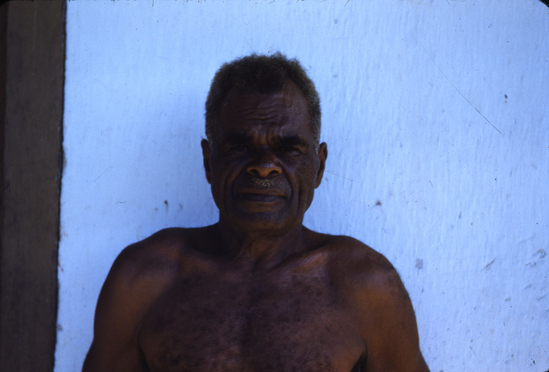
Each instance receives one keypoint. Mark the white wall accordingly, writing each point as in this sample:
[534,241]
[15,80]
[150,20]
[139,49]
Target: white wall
[439,110]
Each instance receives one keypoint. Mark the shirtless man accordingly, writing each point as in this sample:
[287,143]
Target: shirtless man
[257,291]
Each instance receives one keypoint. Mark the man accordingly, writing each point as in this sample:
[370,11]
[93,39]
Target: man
[257,291]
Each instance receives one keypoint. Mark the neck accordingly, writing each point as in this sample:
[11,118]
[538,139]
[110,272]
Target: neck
[260,248]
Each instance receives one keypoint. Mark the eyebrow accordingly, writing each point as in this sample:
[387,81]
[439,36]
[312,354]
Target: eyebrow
[240,137]
[291,141]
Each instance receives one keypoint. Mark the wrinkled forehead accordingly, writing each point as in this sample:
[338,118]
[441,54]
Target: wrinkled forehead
[242,111]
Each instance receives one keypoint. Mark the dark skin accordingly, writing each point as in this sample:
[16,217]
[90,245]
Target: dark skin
[256,291]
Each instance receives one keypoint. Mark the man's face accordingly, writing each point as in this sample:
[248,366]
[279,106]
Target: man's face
[264,167]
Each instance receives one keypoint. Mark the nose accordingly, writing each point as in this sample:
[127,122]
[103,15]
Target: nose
[264,165]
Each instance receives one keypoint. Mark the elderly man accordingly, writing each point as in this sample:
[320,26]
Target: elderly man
[257,291]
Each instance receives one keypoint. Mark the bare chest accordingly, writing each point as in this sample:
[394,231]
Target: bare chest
[286,322]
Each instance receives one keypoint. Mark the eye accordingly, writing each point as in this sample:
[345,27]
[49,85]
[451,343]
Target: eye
[289,149]
[238,150]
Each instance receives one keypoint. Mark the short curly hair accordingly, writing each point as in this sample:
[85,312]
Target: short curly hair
[261,74]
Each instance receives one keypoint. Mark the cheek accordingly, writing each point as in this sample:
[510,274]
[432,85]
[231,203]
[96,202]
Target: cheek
[223,175]
[306,179]
[217,177]
[309,171]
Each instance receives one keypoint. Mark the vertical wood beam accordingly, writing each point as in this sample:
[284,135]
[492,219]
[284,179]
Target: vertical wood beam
[32,164]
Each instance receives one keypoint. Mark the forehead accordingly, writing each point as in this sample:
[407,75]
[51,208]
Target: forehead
[286,110]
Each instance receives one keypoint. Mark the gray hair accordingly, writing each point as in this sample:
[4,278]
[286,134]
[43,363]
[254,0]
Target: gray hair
[265,75]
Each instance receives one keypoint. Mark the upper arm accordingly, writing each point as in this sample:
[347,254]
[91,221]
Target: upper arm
[392,337]
[117,316]
[137,278]
[384,313]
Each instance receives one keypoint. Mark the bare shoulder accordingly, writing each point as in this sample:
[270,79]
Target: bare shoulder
[159,252]
[139,275]
[160,256]
[366,274]
[350,259]
[144,269]
[379,304]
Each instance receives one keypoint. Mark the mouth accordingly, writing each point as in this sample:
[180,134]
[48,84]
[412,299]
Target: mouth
[261,191]
[260,196]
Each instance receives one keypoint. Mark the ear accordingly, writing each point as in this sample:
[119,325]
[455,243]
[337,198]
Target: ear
[322,156]
[206,152]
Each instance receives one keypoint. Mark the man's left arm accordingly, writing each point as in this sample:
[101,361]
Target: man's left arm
[391,333]
[383,311]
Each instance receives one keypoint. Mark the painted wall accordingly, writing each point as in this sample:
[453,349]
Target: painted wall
[436,115]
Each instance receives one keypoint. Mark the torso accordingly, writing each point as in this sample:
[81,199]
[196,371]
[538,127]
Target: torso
[212,317]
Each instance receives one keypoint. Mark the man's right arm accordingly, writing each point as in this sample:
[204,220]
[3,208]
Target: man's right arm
[137,277]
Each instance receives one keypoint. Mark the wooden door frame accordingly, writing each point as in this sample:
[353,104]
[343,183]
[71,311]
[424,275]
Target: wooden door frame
[32,64]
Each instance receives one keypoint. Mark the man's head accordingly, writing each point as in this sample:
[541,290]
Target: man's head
[260,74]
[262,159]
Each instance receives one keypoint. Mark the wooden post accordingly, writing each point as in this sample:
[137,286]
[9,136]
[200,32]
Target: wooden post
[32,77]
